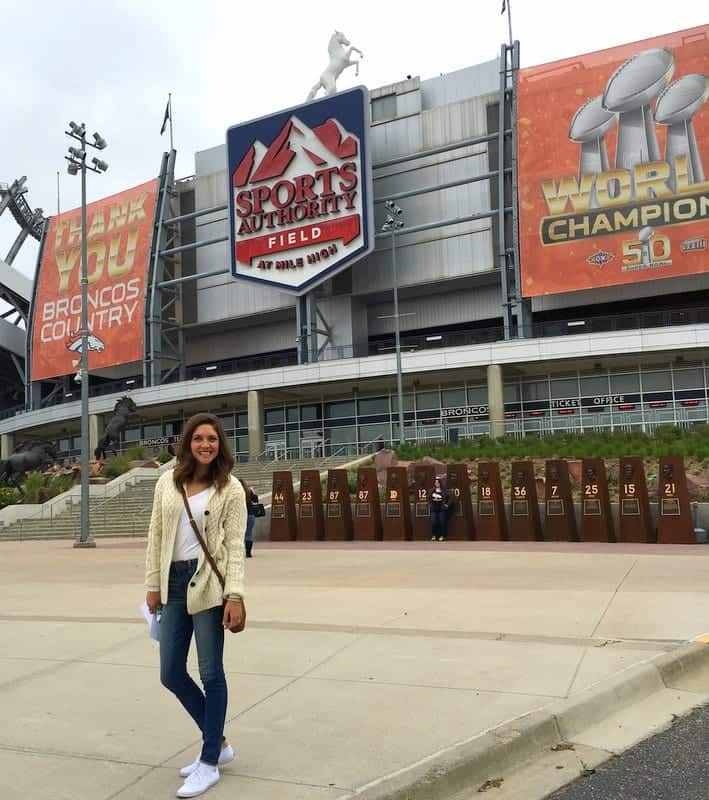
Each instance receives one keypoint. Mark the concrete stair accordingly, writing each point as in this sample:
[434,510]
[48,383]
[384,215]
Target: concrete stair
[128,513]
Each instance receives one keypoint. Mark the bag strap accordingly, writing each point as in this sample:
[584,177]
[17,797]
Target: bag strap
[195,528]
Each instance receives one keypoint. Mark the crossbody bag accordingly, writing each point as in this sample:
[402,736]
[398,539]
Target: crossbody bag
[210,559]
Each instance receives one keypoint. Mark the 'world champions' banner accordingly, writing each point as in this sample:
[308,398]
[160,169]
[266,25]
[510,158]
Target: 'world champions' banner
[119,231]
[613,152]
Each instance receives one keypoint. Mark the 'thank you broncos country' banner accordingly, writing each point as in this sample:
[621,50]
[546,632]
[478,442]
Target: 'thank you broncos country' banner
[613,158]
[119,235]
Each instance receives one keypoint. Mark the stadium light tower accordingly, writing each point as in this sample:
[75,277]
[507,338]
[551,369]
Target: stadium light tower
[77,163]
[392,224]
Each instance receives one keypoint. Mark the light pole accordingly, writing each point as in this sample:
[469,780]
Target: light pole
[392,224]
[77,163]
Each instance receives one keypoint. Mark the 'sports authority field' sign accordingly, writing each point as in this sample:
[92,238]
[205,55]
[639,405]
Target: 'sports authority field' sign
[300,192]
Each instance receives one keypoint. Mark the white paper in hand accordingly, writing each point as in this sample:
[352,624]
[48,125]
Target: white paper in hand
[153,624]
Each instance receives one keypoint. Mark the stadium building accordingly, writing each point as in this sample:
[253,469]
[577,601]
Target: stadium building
[551,269]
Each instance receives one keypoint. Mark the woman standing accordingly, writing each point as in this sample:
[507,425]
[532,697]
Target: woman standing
[438,499]
[200,496]
[251,503]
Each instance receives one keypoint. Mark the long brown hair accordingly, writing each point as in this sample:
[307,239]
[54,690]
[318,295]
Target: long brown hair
[219,470]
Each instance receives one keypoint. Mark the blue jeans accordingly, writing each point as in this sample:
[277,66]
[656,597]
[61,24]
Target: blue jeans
[249,535]
[208,708]
[439,522]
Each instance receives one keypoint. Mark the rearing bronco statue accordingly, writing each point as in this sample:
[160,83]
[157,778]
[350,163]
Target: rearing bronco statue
[339,61]
[112,434]
[33,457]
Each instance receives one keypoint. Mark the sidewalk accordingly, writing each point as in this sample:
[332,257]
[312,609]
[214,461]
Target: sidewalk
[359,660]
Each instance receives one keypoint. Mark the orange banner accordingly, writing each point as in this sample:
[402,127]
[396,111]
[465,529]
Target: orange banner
[119,230]
[613,151]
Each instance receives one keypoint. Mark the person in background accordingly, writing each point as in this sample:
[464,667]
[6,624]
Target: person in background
[438,499]
[251,501]
[196,587]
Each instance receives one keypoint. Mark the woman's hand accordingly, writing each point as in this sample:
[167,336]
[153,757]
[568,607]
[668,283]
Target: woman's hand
[153,601]
[234,615]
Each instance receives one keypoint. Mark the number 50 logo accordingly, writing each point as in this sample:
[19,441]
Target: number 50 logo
[654,250]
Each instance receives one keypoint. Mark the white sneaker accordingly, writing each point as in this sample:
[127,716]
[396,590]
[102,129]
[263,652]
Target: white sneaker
[204,777]
[226,754]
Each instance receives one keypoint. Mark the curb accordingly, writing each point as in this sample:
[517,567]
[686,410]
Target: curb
[468,764]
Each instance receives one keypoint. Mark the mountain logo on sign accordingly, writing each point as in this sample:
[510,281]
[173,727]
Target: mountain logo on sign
[295,141]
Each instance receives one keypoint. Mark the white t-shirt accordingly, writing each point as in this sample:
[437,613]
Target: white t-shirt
[187,545]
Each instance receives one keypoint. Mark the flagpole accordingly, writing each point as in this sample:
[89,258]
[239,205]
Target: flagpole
[509,21]
[169,102]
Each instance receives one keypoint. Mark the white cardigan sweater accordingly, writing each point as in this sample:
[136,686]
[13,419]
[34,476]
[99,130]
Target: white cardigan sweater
[224,527]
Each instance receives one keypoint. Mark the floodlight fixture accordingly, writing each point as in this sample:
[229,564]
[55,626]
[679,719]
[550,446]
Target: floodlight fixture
[77,130]
[78,153]
[100,165]
[99,142]
[72,168]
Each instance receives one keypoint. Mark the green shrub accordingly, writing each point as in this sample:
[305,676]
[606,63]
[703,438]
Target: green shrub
[32,488]
[8,496]
[665,440]
[163,457]
[135,453]
[59,485]
[116,466]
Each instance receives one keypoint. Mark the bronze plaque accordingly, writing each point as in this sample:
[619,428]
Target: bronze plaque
[520,508]
[525,520]
[338,521]
[284,519]
[486,508]
[596,514]
[461,522]
[630,507]
[396,525]
[670,507]
[492,519]
[311,522]
[555,508]
[635,518]
[592,508]
[363,510]
[675,518]
[368,513]
[423,478]
[560,520]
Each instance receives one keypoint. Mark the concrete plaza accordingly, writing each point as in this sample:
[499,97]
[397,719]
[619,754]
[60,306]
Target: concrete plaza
[359,660]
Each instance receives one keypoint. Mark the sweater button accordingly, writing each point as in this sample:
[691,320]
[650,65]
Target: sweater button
[206,513]
[192,583]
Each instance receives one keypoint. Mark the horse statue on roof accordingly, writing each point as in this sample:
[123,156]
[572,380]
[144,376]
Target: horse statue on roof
[117,424]
[27,458]
[339,50]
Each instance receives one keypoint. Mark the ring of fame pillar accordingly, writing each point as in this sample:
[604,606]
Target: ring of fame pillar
[675,525]
[634,503]
[396,521]
[311,521]
[424,476]
[338,509]
[492,519]
[284,522]
[559,516]
[367,511]
[596,516]
[525,519]
[461,523]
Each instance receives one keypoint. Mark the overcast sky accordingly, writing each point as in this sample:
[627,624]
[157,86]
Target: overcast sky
[111,64]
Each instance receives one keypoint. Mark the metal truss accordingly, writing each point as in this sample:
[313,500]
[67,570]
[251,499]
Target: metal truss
[164,338]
